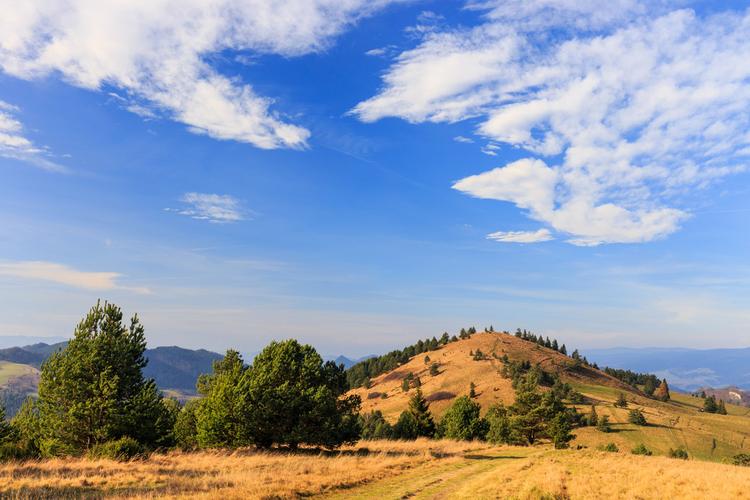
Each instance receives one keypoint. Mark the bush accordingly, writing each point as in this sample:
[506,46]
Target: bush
[621,401]
[641,450]
[636,417]
[610,447]
[678,453]
[15,451]
[602,425]
[742,459]
[462,421]
[122,449]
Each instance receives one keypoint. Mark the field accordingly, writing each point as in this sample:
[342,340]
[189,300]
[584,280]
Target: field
[10,371]
[382,470]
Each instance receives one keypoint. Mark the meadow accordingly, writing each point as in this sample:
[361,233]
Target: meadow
[380,469]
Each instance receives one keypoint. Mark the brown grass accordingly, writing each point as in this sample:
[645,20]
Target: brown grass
[213,474]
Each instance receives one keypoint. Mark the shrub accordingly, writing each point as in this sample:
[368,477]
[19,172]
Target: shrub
[122,449]
[678,453]
[434,369]
[621,401]
[636,417]
[641,450]
[610,447]
[602,425]
[742,459]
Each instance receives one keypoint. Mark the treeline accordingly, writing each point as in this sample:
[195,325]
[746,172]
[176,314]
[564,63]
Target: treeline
[535,415]
[94,400]
[360,374]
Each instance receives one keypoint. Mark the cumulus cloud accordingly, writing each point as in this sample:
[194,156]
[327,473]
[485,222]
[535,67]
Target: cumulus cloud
[215,208]
[629,107]
[14,144]
[158,53]
[521,236]
[65,275]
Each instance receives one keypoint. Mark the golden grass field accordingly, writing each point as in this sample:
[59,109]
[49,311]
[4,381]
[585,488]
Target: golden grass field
[382,470]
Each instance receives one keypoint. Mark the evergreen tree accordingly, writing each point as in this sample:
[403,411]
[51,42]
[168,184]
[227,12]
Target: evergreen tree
[722,409]
[434,369]
[649,387]
[419,408]
[554,345]
[472,390]
[406,426]
[445,338]
[94,391]
[426,360]
[709,405]
[6,430]
[593,418]
[603,425]
[221,416]
[636,417]
[375,426]
[559,430]
[563,350]
[296,398]
[621,401]
[662,392]
[186,426]
[462,421]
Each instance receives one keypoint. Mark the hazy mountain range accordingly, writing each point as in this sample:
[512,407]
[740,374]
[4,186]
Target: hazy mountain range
[687,369]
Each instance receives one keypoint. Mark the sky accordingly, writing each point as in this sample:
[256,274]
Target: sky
[360,174]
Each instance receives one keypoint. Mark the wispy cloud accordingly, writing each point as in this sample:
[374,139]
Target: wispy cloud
[14,144]
[65,275]
[465,140]
[158,53]
[521,236]
[623,111]
[215,208]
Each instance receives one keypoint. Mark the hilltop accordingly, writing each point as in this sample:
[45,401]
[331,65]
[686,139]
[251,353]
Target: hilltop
[673,424]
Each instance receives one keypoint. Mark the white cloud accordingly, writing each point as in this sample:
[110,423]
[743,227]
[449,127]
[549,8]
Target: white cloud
[62,274]
[157,53]
[631,108]
[14,144]
[521,236]
[215,208]
[465,140]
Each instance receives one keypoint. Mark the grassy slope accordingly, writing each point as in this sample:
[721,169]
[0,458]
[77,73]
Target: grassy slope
[12,371]
[458,370]
[673,424]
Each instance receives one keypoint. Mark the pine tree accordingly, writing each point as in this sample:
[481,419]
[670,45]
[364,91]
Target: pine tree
[94,390]
[472,390]
[593,419]
[563,350]
[445,338]
[559,431]
[434,369]
[662,392]
[6,431]
[419,408]
[554,345]
[602,424]
[462,421]
[636,417]
[722,409]
[621,401]
[426,360]
[709,405]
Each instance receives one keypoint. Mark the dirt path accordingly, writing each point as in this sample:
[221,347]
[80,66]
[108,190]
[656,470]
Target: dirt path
[437,480]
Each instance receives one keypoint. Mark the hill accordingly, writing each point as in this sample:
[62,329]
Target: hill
[733,395]
[687,369]
[677,423]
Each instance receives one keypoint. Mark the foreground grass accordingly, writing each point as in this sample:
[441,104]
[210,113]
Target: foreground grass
[239,474]
[382,470]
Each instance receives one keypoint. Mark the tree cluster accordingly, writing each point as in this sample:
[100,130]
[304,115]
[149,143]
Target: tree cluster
[710,405]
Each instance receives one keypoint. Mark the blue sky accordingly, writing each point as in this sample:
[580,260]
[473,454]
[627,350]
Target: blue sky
[361,174]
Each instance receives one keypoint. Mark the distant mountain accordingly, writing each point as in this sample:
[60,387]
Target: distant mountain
[171,367]
[733,395]
[687,369]
[19,340]
[178,368]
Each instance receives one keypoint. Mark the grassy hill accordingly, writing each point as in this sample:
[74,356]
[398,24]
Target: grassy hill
[673,424]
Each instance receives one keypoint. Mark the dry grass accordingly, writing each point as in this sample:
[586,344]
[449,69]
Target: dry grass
[240,474]
[594,475]
[458,370]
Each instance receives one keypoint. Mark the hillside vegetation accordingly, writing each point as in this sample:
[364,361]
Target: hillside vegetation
[674,424]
